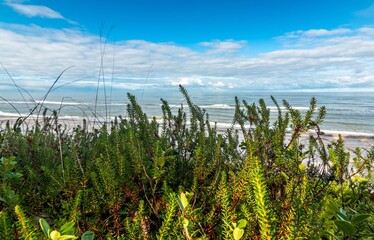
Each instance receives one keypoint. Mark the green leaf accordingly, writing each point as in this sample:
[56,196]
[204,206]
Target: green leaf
[160,161]
[18,175]
[68,228]
[342,215]
[368,235]
[359,218]
[88,235]
[346,227]
[229,225]
[9,175]
[44,226]
[331,234]
[242,223]
[332,208]
[343,211]
[189,195]
[238,233]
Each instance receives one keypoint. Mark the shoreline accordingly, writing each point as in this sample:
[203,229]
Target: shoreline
[351,139]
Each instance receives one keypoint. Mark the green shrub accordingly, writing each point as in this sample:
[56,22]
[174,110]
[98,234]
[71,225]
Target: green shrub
[131,178]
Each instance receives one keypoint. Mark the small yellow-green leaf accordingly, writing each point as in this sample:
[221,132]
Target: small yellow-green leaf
[185,222]
[55,235]
[184,200]
[242,223]
[285,176]
[302,167]
[238,233]
[67,237]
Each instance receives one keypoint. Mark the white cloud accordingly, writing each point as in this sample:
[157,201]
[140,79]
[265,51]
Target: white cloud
[35,10]
[366,30]
[35,56]
[15,1]
[188,81]
[324,32]
[317,33]
[218,84]
[228,46]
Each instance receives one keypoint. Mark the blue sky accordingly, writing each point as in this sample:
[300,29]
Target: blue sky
[261,45]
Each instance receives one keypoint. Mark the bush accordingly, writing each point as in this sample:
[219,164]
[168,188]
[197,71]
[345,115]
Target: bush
[181,178]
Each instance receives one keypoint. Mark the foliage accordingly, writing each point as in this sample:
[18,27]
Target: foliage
[266,177]
[66,232]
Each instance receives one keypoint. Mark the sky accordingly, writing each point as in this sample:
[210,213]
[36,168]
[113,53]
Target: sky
[266,45]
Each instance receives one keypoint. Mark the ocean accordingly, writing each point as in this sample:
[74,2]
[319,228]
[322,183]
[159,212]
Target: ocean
[347,112]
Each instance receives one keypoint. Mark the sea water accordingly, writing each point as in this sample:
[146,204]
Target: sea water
[347,112]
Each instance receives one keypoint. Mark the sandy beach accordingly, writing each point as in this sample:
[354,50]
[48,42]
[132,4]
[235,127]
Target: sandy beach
[69,123]
[351,140]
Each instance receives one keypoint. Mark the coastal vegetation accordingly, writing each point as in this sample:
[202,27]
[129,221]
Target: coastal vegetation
[138,177]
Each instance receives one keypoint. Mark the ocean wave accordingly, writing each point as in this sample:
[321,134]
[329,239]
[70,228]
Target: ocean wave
[174,105]
[211,106]
[218,106]
[273,108]
[116,104]
[346,133]
[326,132]
[221,126]
[39,102]
[227,106]
[8,114]
[65,117]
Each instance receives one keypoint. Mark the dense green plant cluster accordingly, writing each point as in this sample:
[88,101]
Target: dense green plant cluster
[181,178]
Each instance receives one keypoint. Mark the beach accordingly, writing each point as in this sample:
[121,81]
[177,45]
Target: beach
[364,141]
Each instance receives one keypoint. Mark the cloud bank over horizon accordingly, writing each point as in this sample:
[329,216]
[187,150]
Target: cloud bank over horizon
[341,58]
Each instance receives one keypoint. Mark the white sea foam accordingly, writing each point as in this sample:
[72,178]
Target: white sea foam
[61,103]
[39,102]
[227,106]
[75,118]
[8,114]
[334,133]
[214,106]
[283,108]
[218,106]
[347,133]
